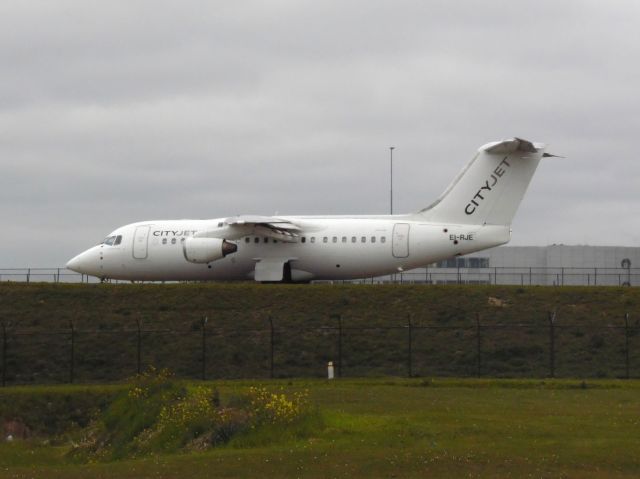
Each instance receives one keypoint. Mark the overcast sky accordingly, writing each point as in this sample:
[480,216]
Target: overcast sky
[115,112]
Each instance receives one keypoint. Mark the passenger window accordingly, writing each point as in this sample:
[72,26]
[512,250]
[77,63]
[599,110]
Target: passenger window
[265,240]
[325,239]
[344,239]
[256,240]
[164,240]
[335,239]
[275,240]
[173,241]
[303,239]
[118,240]
[363,239]
[247,240]
[220,224]
[313,239]
[353,239]
[383,239]
[373,239]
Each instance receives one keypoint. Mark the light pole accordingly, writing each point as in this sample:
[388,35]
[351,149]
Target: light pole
[391,148]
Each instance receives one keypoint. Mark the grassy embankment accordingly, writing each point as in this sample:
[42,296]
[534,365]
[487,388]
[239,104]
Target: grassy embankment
[589,333]
[386,428]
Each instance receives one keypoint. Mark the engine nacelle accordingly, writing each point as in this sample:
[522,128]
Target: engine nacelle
[205,250]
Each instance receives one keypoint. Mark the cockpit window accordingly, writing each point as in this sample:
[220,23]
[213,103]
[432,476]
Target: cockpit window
[112,240]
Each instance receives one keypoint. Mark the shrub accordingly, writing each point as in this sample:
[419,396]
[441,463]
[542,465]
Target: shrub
[134,411]
[272,408]
[158,414]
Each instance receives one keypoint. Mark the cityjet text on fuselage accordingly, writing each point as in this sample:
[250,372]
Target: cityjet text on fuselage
[174,232]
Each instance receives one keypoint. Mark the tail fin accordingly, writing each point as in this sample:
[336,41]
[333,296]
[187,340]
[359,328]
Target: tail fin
[490,188]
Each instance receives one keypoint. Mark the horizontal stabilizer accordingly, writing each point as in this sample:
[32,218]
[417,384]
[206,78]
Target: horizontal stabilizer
[510,146]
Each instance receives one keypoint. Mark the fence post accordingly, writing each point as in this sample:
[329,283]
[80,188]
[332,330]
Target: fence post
[409,346]
[138,347]
[204,348]
[552,344]
[626,344]
[271,346]
[4,354]
[73,352]
[339,345]
[478,347]
[28,274]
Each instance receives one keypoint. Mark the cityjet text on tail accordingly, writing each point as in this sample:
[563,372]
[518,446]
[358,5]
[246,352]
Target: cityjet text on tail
[473,213]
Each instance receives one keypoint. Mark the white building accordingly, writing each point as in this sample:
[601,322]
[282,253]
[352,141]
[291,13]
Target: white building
[536,265]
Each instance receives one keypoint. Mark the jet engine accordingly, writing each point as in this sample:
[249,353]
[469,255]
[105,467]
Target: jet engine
[205,250]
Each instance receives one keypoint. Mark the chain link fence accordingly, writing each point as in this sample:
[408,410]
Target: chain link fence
[511,275]
[543,347]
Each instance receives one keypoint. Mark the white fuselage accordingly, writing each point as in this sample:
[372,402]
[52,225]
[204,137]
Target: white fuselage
[326,248]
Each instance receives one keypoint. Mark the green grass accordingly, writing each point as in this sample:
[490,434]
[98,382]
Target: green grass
[589,334]
[406,428]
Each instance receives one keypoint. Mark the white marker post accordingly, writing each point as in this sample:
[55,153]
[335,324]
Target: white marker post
[330,370]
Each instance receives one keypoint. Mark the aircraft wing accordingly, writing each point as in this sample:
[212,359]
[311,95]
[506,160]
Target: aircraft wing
[236,227]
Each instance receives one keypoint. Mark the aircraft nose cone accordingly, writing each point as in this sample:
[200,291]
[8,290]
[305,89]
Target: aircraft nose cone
[84,263]
[78,263]
[73,264]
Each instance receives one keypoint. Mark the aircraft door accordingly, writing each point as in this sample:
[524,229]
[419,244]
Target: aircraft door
[140,242]
[400,242]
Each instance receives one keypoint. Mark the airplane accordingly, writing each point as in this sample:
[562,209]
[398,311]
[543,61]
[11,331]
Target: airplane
[474,213]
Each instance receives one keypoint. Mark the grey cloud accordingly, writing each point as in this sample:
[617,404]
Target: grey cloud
[113,113]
